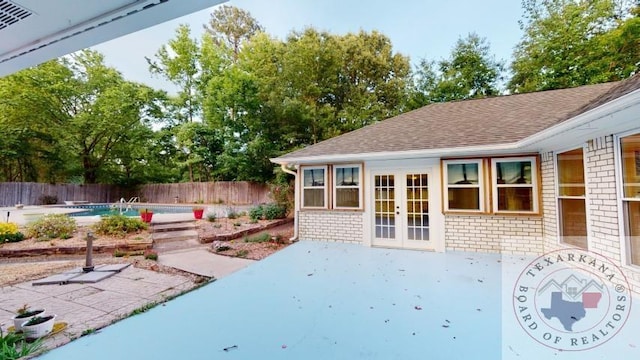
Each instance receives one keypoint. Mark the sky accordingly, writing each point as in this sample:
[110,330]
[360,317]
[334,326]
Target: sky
[417,28]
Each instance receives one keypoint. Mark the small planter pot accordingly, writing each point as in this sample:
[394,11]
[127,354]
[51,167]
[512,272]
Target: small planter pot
[19,319]
[40,329]
[197,213]
[146,216]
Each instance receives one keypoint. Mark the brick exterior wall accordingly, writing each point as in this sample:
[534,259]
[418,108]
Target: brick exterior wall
[336,226]
[503,234]
[602,204]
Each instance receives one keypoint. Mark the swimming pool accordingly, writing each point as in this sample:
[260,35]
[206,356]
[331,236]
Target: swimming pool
[126,209]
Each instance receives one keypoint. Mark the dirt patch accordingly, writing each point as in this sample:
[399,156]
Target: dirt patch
[242,247]
[229,229]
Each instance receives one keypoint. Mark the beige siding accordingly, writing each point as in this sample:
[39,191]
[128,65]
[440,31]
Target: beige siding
[335,226]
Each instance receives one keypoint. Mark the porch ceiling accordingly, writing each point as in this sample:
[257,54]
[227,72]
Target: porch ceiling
[34,31]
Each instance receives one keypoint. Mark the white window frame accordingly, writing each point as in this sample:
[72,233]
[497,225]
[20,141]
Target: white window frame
[324,188]
[625,243]
[558,197]
[359,186]
[480,186]
[534,184]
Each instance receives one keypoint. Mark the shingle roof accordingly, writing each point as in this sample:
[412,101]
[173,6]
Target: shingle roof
[489,121]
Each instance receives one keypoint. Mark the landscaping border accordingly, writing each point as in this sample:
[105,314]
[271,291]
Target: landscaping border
[242,233]
[75,250]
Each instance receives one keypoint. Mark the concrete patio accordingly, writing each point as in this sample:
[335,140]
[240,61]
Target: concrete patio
[316,300]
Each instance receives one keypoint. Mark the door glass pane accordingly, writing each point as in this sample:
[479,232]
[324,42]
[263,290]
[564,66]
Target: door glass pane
[417,207]
[571,173]
[573,222]
[385,212]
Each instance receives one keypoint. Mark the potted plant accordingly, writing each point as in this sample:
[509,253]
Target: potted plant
[146,215]
[25,314]
[197,212]
[38,326]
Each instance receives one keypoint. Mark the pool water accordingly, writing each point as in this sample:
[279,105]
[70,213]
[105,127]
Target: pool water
[107,210]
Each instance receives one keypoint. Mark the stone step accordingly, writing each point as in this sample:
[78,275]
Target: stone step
[174,236]
[176,226]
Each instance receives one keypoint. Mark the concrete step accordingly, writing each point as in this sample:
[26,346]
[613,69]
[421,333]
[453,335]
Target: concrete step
[181,245]
[174,236]
[163,227]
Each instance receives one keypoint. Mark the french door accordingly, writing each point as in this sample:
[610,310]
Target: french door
[401,209]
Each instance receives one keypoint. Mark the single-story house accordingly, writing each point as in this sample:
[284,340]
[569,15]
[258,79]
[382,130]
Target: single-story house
[518,174]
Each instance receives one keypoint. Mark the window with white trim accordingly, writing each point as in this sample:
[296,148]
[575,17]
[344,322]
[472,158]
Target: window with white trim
[314,187]
[571,197]
[463,185]
[347,186]
[630,160]
[515,185]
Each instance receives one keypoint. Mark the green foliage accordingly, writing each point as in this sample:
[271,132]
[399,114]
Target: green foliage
[274,211]
[48,199]
[14,346]
[569,43]
[52,226]
[211,217]
[151,255]
[256,213]
[119,225]
[242,253]
[470,72]
[9,233]
[282,190]
[119,253]
[264,237]
[232,213]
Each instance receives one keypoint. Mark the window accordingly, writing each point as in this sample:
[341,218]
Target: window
[572,214]
[314,194]
[630,149]
[515,185]
[347,186]
[463,181]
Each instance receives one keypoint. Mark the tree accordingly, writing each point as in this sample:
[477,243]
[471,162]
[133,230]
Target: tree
[470,72]
[569,43]
[230,27]
[179,63]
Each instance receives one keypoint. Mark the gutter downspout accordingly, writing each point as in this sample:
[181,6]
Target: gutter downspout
[296,212]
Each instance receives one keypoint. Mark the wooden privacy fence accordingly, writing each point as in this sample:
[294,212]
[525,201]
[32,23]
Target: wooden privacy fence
[33,193]
[237,193]
[227,192]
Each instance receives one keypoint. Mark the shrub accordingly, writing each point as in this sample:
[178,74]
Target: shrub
[48,199]
[232,213]
[256,213]
[9,233]
[119,225]
[119,253]
[264,237]
[274,211]
[282,191]
[52,226]
[151,255]
[211,217]
[242,253]
[15,346]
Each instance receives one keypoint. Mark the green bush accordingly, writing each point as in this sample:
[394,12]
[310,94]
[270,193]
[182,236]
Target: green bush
[274,211]
[52,226]
[211,217]
[14,346]
[119,225]
[256,213]
[232,213]
[9,233]
[264,237]
[151,255]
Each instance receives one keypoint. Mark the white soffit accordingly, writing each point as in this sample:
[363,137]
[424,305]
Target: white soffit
[34,31]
